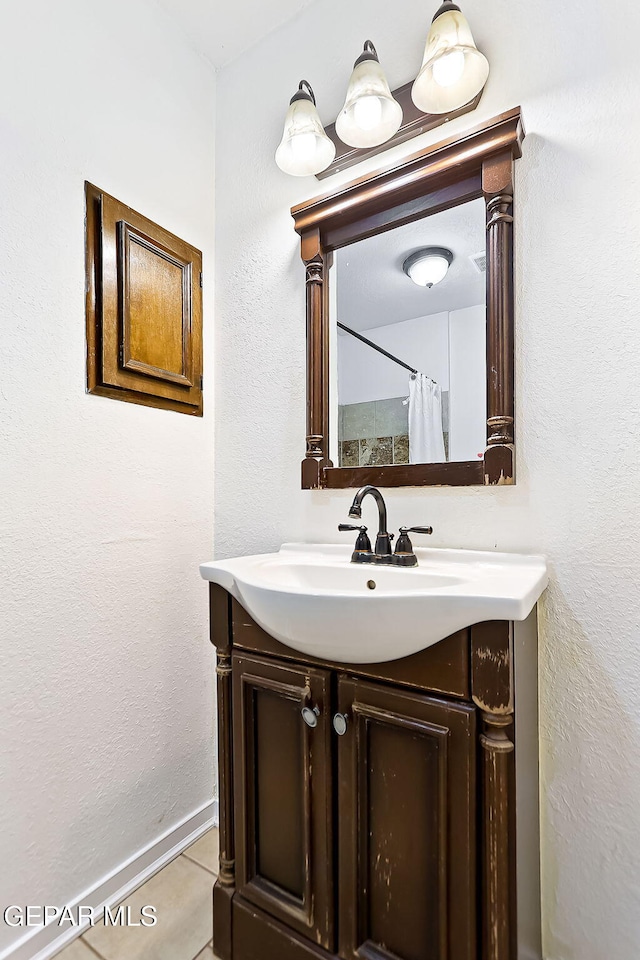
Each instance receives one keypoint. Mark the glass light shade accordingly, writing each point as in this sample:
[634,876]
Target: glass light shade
[453,70]
[429,266]
[370,115]
[305,149]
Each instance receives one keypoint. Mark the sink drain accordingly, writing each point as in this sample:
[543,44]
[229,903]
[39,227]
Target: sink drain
[371,584]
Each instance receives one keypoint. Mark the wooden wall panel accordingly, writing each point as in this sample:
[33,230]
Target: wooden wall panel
[156,310]
[144,309]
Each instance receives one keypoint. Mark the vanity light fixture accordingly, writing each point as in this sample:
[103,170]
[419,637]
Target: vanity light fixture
[370,115]
[373,118]
[305,149]
[428,266]
[453,70]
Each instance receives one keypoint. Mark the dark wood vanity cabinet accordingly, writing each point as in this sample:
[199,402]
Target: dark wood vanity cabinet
[389,835]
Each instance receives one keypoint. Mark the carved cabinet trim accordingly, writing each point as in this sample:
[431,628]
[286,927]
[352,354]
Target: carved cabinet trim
[477,164]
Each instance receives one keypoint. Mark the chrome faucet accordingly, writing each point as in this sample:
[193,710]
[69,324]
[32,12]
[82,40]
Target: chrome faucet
[403,556]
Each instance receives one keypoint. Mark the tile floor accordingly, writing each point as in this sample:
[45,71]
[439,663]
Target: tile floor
[181,894]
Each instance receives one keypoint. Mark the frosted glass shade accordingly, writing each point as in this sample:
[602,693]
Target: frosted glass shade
[305,149]
[453,70]
[429,266]
[370,116]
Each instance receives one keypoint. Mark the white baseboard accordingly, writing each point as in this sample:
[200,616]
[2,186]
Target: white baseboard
[42,943]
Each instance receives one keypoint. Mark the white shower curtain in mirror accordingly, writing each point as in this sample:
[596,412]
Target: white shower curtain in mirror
[426,441]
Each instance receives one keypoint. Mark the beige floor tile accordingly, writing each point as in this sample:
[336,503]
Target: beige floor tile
[181,894]
[207,954]
[76,951]
[206,851]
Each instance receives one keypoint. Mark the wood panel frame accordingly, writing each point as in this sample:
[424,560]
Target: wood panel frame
[126,236]
[111,371]
[477,164]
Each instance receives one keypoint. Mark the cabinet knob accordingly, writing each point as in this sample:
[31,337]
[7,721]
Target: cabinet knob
[310,716]
[340,724]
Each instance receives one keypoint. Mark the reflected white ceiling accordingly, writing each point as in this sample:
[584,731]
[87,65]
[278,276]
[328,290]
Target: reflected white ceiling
[221,31]
[373,290]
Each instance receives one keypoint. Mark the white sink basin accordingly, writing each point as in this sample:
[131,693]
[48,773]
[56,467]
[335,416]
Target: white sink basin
[312,598]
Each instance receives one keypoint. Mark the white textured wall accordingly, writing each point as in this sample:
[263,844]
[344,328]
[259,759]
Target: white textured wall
[574,68]
[105,507]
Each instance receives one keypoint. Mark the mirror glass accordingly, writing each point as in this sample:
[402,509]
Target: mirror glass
[417,293]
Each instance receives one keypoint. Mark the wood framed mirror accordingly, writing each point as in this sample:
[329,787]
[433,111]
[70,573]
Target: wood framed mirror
[463,189]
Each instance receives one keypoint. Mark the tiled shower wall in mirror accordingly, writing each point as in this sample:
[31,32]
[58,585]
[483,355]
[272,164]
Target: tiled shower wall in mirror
[376,433]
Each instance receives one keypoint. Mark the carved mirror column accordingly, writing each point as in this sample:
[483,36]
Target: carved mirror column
[317,263]
[497,187]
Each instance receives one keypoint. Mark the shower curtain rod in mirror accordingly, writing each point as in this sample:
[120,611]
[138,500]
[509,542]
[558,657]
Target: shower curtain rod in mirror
[370,343]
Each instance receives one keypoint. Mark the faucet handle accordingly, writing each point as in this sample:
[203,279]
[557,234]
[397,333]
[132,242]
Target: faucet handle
[363,544]
[404,547]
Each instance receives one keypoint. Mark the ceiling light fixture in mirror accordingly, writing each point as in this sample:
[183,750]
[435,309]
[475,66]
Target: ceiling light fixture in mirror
[428,266]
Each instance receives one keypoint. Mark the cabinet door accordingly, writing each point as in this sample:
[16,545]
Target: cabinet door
[283,784]
[407,863]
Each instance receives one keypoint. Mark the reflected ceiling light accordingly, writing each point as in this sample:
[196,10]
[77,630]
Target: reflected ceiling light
[428,266]
[305,149]
[370,115]
[453,69]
